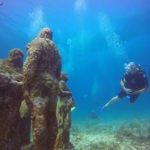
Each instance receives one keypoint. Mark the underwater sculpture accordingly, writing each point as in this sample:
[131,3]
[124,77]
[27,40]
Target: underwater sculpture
[11,95]
[63,113]
[41,75]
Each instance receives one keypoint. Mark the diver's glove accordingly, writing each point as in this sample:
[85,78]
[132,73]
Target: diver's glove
[129,91]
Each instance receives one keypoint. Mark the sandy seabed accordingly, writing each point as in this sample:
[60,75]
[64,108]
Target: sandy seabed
[133,134]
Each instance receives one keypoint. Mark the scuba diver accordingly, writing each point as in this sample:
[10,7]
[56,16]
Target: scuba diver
[133,83]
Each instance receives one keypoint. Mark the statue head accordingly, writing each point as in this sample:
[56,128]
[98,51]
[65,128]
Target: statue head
[46,33]
[16,57]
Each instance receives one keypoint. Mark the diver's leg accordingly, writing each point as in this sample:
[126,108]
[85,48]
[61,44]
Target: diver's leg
[133,98]
[114,99]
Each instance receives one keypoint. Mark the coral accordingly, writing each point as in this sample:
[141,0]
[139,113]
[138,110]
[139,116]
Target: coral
[132,130]
[125,135]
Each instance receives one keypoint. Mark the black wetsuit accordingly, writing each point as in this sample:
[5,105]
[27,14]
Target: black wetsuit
[134,82]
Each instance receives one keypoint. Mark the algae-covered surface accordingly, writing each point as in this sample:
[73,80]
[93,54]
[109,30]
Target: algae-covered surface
[133,134]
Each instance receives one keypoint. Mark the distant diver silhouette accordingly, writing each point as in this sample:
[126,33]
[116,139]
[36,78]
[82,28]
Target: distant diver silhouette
[1,3]
[96,113]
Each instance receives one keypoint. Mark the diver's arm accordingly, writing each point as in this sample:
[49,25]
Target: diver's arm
[114,99]
[63,89]
[122,84]
[65,92]
[140,91]
[7,81]
[127,90]
[145,86]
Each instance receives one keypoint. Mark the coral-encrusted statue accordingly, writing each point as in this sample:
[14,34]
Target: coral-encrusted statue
[10,99]
[63,113]
[41,74]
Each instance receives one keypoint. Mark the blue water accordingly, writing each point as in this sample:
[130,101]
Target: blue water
[95,39]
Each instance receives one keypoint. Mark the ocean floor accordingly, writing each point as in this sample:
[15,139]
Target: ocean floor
[133,134]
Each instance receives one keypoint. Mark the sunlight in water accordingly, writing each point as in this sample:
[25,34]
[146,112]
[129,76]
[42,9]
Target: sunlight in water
[114,42]
[36,21]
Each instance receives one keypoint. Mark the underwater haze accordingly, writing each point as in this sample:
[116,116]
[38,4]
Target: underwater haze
[95,39]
